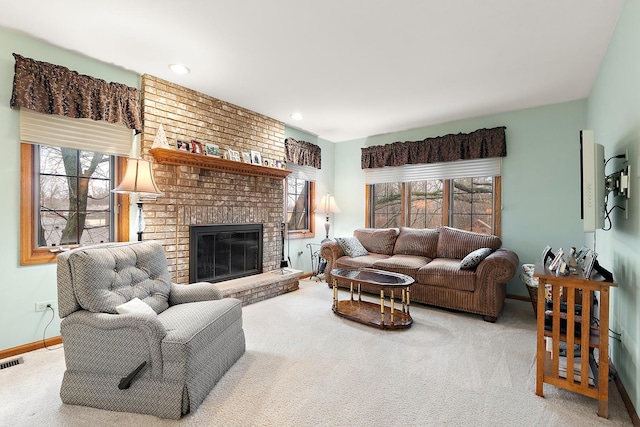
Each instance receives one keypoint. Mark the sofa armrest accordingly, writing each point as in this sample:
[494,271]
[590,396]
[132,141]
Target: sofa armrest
[200,291]
[112,343]
[500,266]
[330,251]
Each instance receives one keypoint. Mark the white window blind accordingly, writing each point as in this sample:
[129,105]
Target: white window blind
[445,170]
[81,134]
[306,173]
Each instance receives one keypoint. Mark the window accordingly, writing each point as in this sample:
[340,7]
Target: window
[387,199]
[425,203]
[300,194]
[74,195]
[67,200]
[465,203]
[472,204]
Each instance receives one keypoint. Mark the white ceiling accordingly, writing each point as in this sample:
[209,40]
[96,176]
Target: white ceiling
[353,68]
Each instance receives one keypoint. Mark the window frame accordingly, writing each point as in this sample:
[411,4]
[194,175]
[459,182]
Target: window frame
[447,195]
[311,197]
[30,253]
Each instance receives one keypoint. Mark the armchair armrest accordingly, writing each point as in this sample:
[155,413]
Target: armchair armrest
[112,343]
[330,251]
[200,291]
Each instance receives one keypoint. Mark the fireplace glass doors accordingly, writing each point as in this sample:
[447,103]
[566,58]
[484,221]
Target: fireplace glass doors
[224,252]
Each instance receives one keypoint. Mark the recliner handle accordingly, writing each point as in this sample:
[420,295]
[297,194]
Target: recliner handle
[125,382]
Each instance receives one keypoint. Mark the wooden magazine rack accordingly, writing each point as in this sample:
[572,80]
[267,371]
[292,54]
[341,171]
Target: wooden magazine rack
[586,342]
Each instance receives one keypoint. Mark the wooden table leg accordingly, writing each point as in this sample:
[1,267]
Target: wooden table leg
[381,307]
[392,306]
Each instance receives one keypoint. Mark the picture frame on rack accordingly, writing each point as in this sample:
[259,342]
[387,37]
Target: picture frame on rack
[246,157]
[556,261]
[581,254]
[547,254]
[256,157]
[589,262]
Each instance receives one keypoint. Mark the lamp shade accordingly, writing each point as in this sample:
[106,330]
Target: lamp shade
[327,205]
[138,178]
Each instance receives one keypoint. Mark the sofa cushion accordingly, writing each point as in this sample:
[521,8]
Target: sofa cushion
[377,241]
[446,272]
[404,264]
[351,246]
[417,241]
[474,258]
[365,261]
[454,243]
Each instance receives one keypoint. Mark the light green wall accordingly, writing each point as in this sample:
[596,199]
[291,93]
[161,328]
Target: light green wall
[540,177]
[296,248]
[22,286]
[540,185]
[614,115]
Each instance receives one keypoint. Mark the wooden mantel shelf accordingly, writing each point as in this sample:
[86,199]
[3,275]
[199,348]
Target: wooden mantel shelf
[169,156]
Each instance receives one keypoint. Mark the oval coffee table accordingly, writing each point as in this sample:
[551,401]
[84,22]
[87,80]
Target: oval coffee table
[374,314]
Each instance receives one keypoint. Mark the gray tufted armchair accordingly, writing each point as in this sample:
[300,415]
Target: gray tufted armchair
[162,363]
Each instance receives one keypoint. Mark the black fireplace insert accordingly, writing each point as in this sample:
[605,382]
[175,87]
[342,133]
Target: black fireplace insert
[224,251]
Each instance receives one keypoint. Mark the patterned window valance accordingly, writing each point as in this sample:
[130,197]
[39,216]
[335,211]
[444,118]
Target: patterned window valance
[480,144]
[53,89]
[303,153]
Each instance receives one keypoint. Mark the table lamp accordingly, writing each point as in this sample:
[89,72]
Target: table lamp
[138,179]
[328,206]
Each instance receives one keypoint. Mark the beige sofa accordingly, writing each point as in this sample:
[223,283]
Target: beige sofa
[433,258]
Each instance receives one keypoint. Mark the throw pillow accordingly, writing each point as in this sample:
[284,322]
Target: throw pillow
[474,258]
[351,246]
[136,305]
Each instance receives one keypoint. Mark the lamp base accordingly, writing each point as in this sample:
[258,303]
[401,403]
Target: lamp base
[140,219]
[326,229]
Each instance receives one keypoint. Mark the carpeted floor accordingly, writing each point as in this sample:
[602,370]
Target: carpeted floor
[305,366]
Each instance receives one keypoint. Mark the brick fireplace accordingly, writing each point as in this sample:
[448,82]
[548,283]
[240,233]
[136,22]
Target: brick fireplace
[221,252]
[197,196]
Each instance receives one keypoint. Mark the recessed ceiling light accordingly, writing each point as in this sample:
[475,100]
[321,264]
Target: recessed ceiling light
[296,116]
[179,69]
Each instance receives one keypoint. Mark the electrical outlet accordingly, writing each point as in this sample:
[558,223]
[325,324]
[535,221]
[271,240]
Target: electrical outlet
[42,305]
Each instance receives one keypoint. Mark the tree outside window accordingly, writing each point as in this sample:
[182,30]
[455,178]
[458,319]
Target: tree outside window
[300,195]
[472,205]
[388,205]
[464,203]
[74,199]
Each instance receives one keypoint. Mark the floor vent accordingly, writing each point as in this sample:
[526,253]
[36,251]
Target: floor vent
[12,362]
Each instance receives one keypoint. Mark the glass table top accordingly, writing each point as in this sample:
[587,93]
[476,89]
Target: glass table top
[372,276]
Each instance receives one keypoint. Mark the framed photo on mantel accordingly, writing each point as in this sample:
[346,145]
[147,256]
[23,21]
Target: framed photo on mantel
[256,157]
